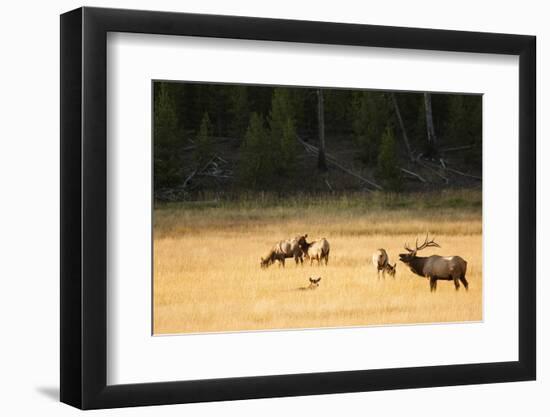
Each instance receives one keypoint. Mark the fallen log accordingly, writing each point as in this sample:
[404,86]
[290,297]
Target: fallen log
[435,171]
[457,148]
[331,160]
[189,177]
[413,174]
[456,171]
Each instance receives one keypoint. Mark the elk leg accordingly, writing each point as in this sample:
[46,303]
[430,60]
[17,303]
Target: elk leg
[464,282]
[457,285]
[433,284]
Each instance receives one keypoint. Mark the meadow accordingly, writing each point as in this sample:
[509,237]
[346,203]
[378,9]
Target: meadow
[207,275]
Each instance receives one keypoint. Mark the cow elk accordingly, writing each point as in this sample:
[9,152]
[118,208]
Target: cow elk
[435,267]
[381,262]
[317,250]
[284,249]
[272,256]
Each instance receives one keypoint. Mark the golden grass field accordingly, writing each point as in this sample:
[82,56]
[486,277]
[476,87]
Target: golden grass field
[207,275]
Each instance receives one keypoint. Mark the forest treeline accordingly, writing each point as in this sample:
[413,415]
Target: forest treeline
[255,137]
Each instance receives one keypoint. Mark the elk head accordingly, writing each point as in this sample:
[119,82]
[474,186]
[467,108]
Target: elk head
[265,262]
[408,257]
[303,243]
[390,269]
[313,284]
[314,281]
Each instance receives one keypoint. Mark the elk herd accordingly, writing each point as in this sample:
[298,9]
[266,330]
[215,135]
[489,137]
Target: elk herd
[434,268]
[297,248]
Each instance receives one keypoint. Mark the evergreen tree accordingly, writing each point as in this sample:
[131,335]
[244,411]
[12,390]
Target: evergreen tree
[371,111]
[282,131]
[387,165]
[338,118]
[463,126]
[178,91]
[298,102]
[256,165]
[203,151]
[238,110]
[420,125]
[167,139]
[288,148]
[259,99]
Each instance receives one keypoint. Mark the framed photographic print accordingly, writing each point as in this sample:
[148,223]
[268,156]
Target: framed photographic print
[256,208]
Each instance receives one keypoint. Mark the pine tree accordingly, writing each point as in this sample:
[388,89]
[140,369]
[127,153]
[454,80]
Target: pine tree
[463,126]
[204,151]
[288,148]
[420,125]
[167,139]
[238,110]
[282,131]
[387,165]
[371,110]
[298,104]
[338,117]
[256,165]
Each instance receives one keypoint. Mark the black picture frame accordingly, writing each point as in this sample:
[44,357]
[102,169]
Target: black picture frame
[84,207]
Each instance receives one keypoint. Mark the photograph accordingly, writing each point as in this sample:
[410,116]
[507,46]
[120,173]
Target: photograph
[297,207]
[267,207]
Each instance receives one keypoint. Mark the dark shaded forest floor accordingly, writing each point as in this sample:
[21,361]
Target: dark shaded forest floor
[451,170]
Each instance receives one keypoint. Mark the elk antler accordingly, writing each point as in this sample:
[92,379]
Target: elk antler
[427,244]
[408,249]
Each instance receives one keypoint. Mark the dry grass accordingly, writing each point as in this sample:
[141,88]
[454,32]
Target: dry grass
[207,276]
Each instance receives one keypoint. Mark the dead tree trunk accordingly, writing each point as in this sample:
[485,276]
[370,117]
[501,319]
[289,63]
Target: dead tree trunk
[432,139]
[322,161]
[402,125]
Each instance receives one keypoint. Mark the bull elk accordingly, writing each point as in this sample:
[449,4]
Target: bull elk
[435,267]
[381,262]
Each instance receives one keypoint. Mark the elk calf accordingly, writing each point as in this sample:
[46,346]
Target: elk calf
[381,262]
[313,284]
